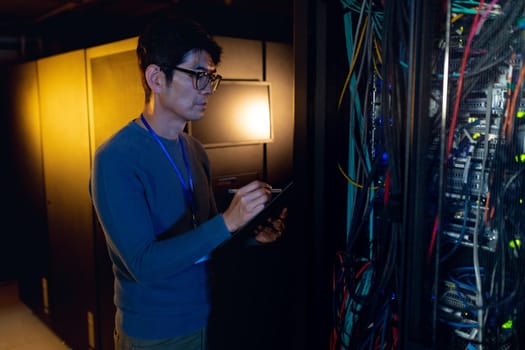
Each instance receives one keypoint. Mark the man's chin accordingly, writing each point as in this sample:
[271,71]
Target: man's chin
[197,117]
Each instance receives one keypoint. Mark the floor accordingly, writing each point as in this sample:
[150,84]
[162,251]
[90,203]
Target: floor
[19,328]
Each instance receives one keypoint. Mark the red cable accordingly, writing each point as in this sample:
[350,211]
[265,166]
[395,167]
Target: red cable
[433,238]
[387,186]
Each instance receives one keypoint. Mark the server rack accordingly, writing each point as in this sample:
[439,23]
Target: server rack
[434,166]
[480,291]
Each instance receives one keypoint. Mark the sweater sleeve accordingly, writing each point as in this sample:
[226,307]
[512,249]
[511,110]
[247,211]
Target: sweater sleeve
[134,206]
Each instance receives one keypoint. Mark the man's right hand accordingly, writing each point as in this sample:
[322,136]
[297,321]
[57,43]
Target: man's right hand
[247,202]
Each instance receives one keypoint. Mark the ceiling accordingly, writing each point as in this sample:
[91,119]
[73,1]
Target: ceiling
[34,28]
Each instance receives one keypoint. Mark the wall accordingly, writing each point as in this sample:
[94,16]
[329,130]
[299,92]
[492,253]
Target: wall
[27,238]
[59,115]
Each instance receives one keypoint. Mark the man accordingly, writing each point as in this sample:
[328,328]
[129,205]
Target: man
[151,189]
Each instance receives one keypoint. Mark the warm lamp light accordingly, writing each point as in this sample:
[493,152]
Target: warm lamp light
[254,117]
[238,113]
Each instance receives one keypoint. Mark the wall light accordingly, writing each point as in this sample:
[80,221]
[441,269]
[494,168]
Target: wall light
[238,113]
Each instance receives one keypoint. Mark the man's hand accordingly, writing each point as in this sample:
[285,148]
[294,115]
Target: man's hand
[273,229]
[247,202]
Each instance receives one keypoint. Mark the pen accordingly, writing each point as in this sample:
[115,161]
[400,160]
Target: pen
[234,190]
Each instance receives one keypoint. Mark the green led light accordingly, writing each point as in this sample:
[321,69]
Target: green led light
[519,158]
[507,325]
[520,114]
[516,243]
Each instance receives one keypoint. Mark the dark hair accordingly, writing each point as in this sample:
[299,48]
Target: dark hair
[166,41]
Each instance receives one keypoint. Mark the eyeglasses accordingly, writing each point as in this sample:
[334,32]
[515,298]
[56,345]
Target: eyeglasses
[202,79]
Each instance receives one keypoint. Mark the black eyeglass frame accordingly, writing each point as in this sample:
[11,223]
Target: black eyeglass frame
[211,78]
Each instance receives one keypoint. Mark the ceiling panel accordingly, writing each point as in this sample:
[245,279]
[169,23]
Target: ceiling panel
[36,28]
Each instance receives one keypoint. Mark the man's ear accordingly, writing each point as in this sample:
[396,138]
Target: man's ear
[154,78]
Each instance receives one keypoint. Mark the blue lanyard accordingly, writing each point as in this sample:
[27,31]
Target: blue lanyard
[188,190]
